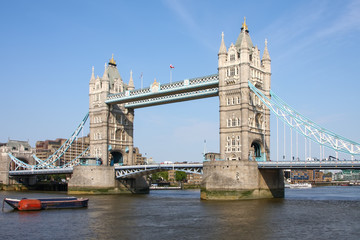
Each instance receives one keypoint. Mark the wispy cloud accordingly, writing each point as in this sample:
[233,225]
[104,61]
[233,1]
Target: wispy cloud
[184,14]
[346,21]
[317,24]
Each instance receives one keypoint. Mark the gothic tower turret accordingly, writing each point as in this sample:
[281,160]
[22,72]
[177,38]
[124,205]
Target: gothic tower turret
[244,120]
[111,126]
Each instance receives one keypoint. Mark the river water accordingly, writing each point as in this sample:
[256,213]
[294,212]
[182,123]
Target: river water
[316,213]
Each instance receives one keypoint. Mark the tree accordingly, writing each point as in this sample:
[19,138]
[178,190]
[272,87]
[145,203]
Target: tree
[160,176]
[180,176]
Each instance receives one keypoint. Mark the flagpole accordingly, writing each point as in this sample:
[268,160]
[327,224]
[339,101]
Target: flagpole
[170,75]
[141,77]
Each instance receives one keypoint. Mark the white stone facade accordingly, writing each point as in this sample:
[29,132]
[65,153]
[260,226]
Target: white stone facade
[244,120]
[111,126]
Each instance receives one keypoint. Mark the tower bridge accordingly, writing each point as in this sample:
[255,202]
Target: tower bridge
[244,169]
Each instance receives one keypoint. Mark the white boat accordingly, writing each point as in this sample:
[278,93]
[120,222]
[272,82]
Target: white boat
[300,185]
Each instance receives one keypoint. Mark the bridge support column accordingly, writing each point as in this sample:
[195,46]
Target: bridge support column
[136,185]
[92,180]
[4,168]
[101,180]
[237,180]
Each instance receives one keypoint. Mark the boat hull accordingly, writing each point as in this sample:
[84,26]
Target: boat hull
[301,185]
[51,203]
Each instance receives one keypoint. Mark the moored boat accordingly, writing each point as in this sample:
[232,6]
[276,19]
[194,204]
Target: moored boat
[301,185]
[26,204]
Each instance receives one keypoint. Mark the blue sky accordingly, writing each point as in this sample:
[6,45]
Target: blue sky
[47,49]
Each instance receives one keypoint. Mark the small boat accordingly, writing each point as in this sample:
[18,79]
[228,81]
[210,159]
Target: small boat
[26,204]
[301,185]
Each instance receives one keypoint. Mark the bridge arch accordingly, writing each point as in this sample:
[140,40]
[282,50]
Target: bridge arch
[257,150]
[117,157]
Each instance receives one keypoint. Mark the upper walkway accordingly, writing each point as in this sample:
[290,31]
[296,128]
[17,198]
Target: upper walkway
[157,94]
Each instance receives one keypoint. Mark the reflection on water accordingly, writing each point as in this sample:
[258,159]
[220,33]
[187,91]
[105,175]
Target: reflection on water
[320,213]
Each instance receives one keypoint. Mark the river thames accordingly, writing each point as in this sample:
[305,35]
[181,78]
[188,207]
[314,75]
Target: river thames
[316,213]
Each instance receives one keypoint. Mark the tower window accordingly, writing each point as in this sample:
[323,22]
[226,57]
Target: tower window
[232,57]
[232,71]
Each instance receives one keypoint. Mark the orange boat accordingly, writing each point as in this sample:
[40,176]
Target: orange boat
[26,204]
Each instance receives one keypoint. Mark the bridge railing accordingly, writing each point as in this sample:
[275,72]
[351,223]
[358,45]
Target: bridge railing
[125,171]
[211,79]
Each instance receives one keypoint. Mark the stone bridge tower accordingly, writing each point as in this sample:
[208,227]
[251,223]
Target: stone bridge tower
[244,119]
[244,126]
[111,126]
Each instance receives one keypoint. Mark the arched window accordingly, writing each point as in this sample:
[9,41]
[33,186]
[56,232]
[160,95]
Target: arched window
[258,120]
[118,134]
[257,149]
[123,136]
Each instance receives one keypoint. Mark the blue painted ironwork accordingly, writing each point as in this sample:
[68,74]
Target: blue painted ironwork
[127,171]
[50,161]
[76,161]
[139,170]
[305,126]
[340,165]
[186,96]
[187,89]
[60,170]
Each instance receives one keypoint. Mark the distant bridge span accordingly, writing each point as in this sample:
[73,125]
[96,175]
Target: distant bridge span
[136,170]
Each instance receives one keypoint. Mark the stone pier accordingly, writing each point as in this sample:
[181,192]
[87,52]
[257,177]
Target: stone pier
[237,180]
[101,180]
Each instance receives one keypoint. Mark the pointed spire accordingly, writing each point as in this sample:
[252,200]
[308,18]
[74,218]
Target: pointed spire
[222,49]
[105,76]
[131,81]
[244,26]
[244,33]
[92,75]
[266,55]
[243,43]
[112,61]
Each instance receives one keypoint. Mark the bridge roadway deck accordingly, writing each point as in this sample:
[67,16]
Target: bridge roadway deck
[127,171]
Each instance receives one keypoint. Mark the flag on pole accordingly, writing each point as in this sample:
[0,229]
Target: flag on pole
[141,77]
[171,66]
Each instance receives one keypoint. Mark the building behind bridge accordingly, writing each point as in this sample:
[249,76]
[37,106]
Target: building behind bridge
[311,176]
[45,149]
[347,175]
[21,150]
